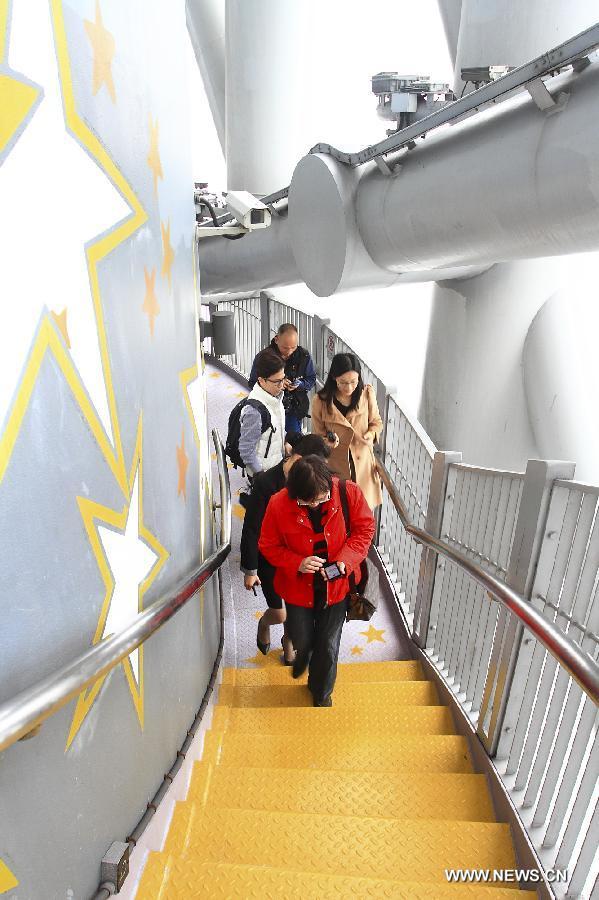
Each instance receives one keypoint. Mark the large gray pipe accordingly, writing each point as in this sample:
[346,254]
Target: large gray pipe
[206,27]
[513,182]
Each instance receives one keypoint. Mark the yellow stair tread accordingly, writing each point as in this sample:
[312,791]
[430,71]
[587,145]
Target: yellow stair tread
[407,850]
[381,752]
[358,793]
[308,720]
[269,670]
[414,693]
[190,879]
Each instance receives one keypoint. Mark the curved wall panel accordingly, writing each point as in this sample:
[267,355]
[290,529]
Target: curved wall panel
[103,506]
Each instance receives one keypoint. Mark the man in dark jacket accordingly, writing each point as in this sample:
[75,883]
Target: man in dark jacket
[300,375]
[255,568]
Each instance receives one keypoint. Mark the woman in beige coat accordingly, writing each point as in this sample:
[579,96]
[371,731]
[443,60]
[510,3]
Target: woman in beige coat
[345,413]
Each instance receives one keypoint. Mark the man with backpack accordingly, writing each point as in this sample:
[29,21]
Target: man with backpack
[256,435]
[300,375]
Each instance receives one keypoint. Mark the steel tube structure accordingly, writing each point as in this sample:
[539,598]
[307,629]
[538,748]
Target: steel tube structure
[26,711]
[579,664]
[516,180]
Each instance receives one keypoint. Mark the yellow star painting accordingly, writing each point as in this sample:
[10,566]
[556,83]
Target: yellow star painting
[154,155]
[150,304]
[17,101]
[103,47]
[374,634]
[7,879]
[95,516]
[168,254]
[182,464]
[17,104]
[61,323]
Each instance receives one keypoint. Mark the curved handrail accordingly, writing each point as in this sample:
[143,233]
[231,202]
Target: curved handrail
[569,654]
[25,712]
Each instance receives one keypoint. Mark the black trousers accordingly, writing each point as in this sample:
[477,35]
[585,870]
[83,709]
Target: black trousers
[316,635]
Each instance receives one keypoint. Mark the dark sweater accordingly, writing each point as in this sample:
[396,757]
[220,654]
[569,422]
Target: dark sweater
[264,486]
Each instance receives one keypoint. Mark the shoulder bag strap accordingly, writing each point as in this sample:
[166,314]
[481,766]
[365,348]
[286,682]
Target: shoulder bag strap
[347,520]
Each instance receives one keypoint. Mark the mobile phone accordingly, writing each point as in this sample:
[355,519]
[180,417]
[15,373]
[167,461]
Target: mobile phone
[331,436]
[332,572]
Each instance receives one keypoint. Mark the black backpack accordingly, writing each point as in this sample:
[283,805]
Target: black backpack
[234,429]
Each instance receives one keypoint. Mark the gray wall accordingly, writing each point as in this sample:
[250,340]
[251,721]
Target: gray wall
[63,803]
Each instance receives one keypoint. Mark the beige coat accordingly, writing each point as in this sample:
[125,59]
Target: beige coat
[351,432]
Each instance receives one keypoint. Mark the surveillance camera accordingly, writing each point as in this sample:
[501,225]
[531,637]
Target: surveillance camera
[250,212]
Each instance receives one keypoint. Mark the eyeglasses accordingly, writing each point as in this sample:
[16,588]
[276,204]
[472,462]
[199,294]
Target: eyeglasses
[275,380]
[313,503]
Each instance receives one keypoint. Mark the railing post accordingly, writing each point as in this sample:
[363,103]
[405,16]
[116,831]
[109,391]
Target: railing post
[319,361]
[265,318]
[428,560]
[511,657]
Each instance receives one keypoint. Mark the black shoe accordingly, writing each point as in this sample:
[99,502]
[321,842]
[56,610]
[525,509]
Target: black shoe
[300,664]
[284,660]
[263,648]
[326,701]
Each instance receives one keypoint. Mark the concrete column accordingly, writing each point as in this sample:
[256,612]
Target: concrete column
[265,71]
[474,396]
[206,27]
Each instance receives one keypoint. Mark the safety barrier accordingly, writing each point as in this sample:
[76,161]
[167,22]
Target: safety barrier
[537,532]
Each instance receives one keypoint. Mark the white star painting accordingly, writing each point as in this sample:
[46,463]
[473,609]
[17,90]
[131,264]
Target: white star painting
[53,200]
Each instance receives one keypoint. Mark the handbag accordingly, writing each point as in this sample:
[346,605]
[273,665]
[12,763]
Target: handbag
[360,607]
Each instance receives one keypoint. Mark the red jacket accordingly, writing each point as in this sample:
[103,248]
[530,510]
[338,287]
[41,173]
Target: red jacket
[287,538]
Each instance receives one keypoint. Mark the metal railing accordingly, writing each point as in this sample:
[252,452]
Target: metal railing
[25,712]
[454,539]
[567,652]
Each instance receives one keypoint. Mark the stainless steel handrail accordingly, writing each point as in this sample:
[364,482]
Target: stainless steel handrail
[23,713]
[570,655]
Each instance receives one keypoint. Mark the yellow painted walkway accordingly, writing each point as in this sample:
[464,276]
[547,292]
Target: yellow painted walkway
[375,797]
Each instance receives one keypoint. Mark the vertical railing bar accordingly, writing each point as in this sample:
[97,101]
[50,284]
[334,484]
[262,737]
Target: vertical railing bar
[445,609]
[529,533]
[586,856]
[460,581]
[487,611]
[461,661]
[531,676]
[558,755]
[542,671]
[584,732]
[411,547]
[459,513]
[586,790]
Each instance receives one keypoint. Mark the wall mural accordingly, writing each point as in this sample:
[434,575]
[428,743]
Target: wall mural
[104,454]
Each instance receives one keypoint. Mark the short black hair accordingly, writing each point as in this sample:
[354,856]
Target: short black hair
[267,363]
[311,445]
[286,327]
[309,477]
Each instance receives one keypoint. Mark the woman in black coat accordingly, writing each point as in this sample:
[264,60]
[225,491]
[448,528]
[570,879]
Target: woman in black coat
[256,569]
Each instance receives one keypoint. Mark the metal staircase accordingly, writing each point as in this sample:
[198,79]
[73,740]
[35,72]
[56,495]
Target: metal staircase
[376,797]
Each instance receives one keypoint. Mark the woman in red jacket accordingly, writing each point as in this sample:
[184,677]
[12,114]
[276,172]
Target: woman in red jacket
[303,534]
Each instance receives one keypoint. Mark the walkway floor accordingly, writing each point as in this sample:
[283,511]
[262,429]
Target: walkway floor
[380,639]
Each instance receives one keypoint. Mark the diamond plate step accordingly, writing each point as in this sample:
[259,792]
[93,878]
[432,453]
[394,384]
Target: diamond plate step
[415,693]
[380,753]
[389,795]
[406,850]
[169,878]
[270,671]
[390,720]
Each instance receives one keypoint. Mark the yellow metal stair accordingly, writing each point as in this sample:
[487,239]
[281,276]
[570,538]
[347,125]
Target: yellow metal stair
[375,797]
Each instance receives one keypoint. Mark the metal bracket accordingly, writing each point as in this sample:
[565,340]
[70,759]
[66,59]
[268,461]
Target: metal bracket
[206,231]
[540,95]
